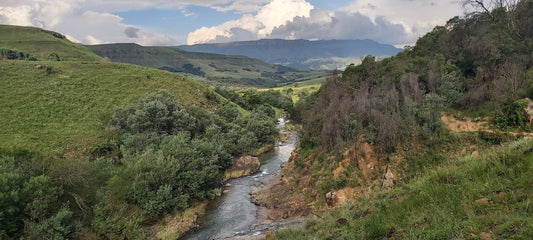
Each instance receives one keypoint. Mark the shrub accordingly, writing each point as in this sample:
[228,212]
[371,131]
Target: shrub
[512,115]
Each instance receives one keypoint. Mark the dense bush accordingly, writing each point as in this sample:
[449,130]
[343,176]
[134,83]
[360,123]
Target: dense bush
[512,115]
[171,155]
[31,199]
[478,64]
[251,99]
[15,55]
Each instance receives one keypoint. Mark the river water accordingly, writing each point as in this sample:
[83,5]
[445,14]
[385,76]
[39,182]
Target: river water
[234,214]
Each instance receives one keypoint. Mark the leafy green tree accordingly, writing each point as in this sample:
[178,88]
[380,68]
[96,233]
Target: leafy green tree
[451,87]
[229,112]
[262,127]
[42,196]
[59,226]
[10,203]
[157,113]
[166,178]
[54,57]
[512,115]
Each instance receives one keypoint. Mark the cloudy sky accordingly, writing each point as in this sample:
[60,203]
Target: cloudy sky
[176,22]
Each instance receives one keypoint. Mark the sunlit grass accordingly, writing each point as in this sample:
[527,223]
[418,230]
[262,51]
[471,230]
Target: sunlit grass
[62,105]
[442,203]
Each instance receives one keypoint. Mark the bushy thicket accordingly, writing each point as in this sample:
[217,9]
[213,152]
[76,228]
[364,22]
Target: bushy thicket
[479,64]
[15,55]
[159,158]
[252,98]
[31,200]
[172,155]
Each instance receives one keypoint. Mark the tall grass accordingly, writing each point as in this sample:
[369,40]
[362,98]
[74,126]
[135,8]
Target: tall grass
[443,204]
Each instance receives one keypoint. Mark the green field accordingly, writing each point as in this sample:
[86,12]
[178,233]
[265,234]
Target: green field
[61,105]
[299,89]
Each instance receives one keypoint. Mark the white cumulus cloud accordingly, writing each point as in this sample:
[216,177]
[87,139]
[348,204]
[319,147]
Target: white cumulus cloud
[251,27]
[70,17]
[416,16]
[398,22]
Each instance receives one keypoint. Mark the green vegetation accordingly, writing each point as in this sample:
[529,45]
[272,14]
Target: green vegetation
[82,157]
[459,200]
[398,101]
[299,90]
[215,69]
[7,54]
[252,98]
[42,44]
[169,156]
[56,106]
[385,115]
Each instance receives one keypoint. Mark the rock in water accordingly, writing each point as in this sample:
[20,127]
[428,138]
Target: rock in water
[244,166]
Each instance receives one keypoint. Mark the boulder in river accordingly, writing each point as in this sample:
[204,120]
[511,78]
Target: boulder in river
[243,166]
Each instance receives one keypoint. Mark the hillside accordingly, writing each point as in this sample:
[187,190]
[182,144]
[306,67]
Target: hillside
[480,197]
[225,70]
[64,105]
[377,159]
[322,54]
[42,43]
[91,149]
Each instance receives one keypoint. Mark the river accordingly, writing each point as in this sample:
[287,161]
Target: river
[233,214]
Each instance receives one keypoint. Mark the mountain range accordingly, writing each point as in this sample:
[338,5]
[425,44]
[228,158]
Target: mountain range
[321,54]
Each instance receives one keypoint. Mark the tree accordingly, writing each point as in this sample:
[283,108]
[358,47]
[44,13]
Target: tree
[10,203]
[487,6]
[59,226]
[42,196]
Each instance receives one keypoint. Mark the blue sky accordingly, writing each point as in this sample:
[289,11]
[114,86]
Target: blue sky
[194,17]
[176,22]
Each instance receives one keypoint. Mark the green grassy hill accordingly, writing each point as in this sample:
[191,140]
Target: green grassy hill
[41,43]
[60,105]
[217,69]
[52,105]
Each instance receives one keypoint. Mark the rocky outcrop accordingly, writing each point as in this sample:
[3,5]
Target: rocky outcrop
[388,181]
[243,166]
[277,201]
[332,199]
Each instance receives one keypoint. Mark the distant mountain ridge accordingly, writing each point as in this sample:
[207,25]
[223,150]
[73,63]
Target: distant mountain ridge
[217,69]
[301,53]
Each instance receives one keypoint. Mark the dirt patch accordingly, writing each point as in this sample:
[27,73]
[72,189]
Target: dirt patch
[474,125]
[467,124]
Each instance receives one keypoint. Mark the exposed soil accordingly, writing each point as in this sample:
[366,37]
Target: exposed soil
[278,202]
[467,124]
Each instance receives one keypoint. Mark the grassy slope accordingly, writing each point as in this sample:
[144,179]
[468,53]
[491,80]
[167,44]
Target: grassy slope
[243,70]
[444,203]
[57,106]
[41,44]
